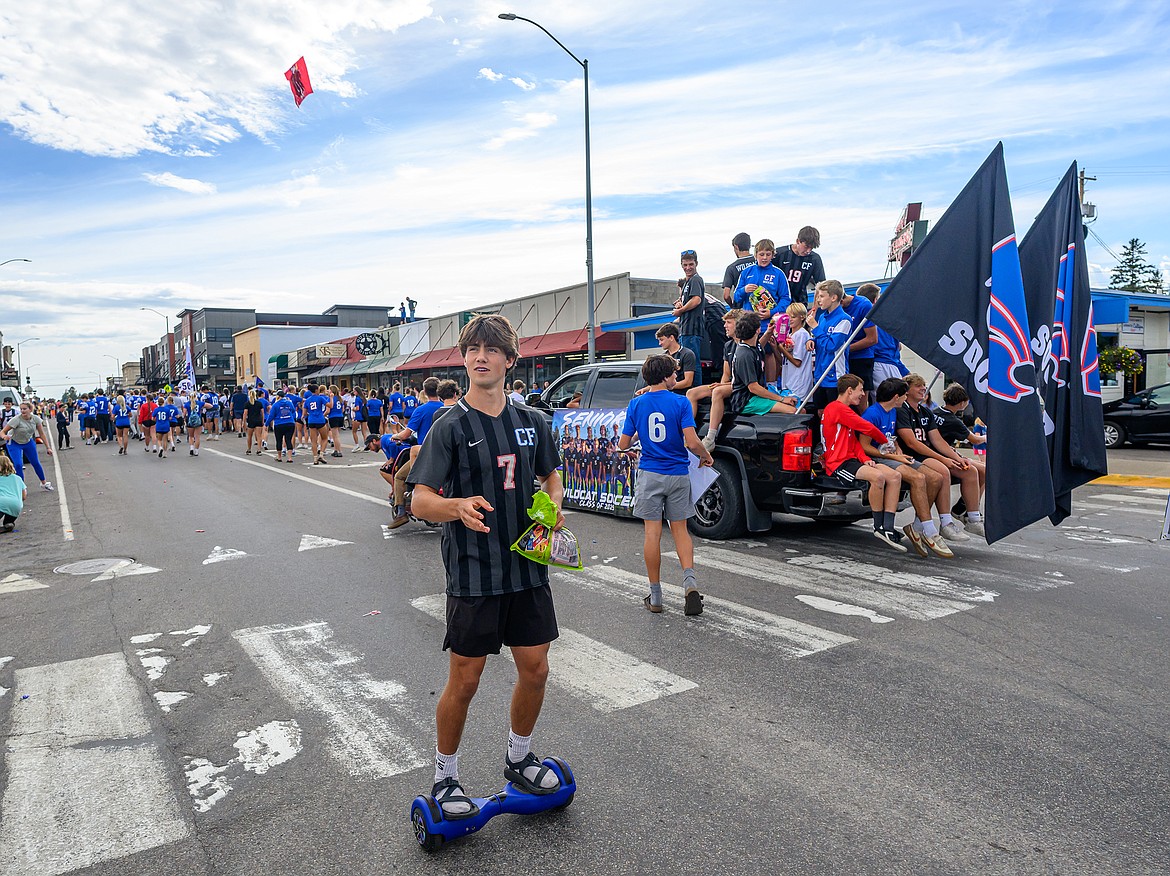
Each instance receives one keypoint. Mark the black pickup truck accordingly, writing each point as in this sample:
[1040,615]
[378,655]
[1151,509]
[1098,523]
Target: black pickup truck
[764,462]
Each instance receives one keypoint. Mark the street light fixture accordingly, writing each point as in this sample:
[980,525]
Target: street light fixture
[9,261]
[170,365]
[509,16]
[19,373]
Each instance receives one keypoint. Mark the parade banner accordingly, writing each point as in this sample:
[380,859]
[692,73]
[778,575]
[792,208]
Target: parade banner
[959,303]
[1055,269]
[595,475]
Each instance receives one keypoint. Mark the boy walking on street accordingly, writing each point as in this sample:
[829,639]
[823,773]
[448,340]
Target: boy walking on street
[665,428]
[484,454]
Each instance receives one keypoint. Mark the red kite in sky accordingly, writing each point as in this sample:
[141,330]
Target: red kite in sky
[298,79]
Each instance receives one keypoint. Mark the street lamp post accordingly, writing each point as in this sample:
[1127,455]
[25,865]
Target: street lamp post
[9,261]
[118,362]
[508,16]
[170,365]
[19,372]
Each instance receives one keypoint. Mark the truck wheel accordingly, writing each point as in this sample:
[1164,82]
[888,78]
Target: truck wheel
[720,512]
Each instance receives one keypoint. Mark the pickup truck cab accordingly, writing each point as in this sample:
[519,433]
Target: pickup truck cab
[764,462]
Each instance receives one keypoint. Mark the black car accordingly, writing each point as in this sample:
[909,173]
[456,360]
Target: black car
[1140,418]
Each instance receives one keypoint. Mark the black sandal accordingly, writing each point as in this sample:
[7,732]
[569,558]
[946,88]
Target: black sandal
[514,773]
[450,791]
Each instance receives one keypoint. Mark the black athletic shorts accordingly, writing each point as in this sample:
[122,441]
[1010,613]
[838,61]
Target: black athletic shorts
[318,426]
[863,368]
[481,625]
[846,475]
[336,422]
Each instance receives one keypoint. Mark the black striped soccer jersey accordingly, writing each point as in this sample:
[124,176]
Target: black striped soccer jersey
[467,453]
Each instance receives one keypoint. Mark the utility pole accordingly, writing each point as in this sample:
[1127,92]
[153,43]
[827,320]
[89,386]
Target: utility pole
[1088,211]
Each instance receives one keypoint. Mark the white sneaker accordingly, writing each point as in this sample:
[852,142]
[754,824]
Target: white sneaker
[975,527]
[357,449]
[953,532]
[936,544]
[47,486]
[709,440]
[196,451]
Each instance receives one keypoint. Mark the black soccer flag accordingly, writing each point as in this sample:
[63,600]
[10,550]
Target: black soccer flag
[959,303]
[1064,343]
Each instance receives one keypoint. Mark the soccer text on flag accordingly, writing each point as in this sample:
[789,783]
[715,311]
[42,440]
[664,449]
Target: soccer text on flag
[1064,342]
[959,303]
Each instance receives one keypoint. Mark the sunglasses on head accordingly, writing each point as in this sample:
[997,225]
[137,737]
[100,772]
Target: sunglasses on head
[688,253]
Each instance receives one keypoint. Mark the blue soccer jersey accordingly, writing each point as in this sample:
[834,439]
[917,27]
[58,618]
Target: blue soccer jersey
[829,336]
[659,417]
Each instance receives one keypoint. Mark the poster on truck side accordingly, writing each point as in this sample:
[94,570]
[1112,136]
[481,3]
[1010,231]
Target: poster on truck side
[596,476]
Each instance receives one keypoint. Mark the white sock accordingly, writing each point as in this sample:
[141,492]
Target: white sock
[929,528]
[446,765]
[518,746]
[916,525]
[974,516]
[945,519]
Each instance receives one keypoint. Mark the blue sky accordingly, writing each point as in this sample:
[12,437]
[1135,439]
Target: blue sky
[151,154]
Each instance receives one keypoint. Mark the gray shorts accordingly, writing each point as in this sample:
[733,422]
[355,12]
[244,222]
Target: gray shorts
[663,497]
[894,464]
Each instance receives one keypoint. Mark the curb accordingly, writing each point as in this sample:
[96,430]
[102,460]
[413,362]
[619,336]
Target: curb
[1133,481]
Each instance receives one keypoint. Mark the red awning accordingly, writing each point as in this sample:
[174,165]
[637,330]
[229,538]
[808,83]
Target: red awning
[576,341]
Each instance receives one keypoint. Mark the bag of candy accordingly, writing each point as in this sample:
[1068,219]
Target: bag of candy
[545,545]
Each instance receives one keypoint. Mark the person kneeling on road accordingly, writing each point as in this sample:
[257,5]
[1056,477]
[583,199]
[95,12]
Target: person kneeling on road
[846,461]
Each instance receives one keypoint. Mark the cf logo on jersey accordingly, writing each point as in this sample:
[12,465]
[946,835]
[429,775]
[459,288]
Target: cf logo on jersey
[526,437]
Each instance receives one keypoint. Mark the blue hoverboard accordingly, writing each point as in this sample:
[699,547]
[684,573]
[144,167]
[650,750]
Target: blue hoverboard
[432,828]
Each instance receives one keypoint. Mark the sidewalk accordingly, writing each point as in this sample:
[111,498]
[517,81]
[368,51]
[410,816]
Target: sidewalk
[1138,467]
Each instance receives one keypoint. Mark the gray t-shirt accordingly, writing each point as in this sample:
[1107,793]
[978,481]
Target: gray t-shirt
[24,431]
[691,321]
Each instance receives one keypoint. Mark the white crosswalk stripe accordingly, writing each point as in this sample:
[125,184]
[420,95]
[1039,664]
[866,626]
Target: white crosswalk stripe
[608,679]
[86,782]
[759,629]
[895,593]
[366,715]
[1127,498]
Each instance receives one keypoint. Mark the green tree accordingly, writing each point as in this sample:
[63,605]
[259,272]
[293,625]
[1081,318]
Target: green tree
[71,394]
[1133,273]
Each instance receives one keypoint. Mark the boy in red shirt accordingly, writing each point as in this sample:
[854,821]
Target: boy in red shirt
[845,460]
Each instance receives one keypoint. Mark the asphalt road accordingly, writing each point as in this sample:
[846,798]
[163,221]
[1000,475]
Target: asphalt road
[1002,713]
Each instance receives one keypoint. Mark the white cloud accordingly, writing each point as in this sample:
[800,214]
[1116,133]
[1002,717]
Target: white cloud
[169,180]
[530,123]
[522,84]
[489,74]
[139,76]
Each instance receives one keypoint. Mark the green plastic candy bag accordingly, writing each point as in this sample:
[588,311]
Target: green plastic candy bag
[542,544]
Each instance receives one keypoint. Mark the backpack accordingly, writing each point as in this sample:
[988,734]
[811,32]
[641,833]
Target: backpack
[714,333]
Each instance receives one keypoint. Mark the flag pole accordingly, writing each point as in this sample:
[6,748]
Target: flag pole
[841,352]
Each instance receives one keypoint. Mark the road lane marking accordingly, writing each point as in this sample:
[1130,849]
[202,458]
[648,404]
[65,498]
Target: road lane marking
[312,542]
[86,781]
[62,502]
[1092,506]
[1127,499]
[292,474]
[125,570]
[259,750]
[17,582]
[608,679]
[367,716]
[834,607]
[757,628]
[222,555]
[847,581]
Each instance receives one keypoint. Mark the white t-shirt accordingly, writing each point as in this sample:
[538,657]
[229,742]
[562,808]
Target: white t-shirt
[798,380]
